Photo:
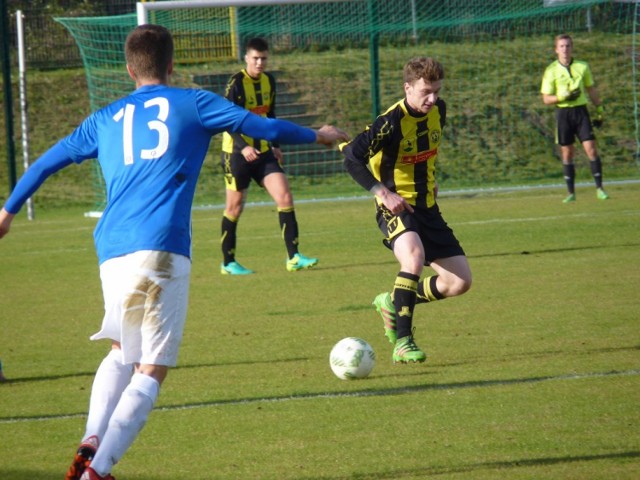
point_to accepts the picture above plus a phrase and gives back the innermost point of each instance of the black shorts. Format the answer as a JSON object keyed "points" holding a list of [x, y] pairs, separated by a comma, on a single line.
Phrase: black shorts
{"points": [[573, 122], [437, 238], [238, 173]]}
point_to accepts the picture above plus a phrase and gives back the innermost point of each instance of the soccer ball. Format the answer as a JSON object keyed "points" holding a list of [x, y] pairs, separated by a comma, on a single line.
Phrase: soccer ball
{"points": [[352, 358]]}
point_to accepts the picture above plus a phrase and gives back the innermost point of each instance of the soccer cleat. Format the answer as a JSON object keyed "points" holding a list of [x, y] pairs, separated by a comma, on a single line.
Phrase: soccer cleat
{"points": [[90, 474], [601, 194], [570, 198], [83, 458], [384, 306], [234, 268], [300, 262], [407, 351]]}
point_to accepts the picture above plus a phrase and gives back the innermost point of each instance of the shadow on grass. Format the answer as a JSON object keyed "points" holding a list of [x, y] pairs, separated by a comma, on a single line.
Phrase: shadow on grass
{"points": [[553, 250], [28, 474], [472, 467], [47, 378], [394, 474], [538, 354], [390, 260]]}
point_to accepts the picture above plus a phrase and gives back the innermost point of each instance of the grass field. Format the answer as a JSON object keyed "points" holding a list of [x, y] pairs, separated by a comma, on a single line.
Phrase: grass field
{"points": [[534, 374]]}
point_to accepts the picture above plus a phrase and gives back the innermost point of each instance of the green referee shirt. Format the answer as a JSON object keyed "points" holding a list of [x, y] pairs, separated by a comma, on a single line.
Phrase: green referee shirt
{"points": [[558, 80]]}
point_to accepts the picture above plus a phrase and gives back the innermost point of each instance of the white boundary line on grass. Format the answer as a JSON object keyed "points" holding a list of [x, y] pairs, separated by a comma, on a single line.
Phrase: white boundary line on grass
{"points": [[444, 193], [356, 394]]}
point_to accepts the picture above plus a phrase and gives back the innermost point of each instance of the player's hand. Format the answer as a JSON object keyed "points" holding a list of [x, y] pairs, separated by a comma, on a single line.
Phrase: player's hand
{"points": [[599, 117], [5, 222], [569, 96], [250, 154], [573, 95], [328, 135], [394, 202], [277, 152]]}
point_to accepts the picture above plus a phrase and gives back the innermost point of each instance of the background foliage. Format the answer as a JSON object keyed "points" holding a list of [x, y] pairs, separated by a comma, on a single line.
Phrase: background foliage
{"points": [[498, 133]]}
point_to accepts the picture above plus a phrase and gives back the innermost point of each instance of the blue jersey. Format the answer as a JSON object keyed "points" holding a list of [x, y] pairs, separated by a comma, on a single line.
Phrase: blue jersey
{"points": [[151, 146]]}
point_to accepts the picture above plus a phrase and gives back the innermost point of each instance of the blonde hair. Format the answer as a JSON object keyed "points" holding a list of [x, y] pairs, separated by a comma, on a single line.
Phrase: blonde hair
{"points": [[563, 36]]}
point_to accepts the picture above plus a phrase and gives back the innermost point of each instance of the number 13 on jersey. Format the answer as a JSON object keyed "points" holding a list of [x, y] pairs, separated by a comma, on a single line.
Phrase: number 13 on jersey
{"points": [[127, 113]]}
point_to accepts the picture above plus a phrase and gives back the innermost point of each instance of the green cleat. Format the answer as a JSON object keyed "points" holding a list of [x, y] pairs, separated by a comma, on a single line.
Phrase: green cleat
{"points": [[300, 262], [570, 198], [601, 194], [234, 268], [407, 351], [384, 306]]}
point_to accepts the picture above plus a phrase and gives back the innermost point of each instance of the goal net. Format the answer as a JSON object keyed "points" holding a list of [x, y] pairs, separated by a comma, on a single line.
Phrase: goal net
{"points": [[341, 62]]}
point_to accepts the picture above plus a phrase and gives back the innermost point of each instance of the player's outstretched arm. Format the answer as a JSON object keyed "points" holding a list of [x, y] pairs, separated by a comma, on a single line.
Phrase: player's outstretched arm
{"points": [[5, 222], [49, 163], [329, 135]]}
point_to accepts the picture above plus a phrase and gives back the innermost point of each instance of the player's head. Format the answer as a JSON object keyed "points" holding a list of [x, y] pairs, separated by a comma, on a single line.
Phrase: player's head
{"points": [[148, 51], [564, 48], [256, 56], [422, 82]]}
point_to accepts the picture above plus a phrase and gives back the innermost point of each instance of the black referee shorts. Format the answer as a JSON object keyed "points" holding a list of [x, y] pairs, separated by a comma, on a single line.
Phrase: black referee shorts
{"points": [[573, 122]]}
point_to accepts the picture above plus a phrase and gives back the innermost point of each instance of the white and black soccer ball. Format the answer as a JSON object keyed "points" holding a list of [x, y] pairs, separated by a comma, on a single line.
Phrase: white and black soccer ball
{"points": [[352, 358]]}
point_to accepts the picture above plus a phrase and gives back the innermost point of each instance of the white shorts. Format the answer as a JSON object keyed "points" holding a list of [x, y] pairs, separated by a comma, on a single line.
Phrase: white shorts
{"points": [[145, 303]]}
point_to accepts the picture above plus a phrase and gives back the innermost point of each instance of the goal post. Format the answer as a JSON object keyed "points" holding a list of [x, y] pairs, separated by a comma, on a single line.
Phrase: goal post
{"points": [[142, 8]]}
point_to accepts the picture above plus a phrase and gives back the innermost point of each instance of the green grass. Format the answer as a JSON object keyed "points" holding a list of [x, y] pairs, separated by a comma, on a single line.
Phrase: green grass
{"points": [[534, 374]]}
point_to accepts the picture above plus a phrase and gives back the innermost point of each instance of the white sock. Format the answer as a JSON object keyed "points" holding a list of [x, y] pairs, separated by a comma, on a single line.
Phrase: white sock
{"points": [[112, 377], [127, 420]]}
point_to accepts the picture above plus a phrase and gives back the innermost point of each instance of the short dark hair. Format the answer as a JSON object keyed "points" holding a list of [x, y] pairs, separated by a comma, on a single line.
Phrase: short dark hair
{"points": [[148, 51], [423, 67], [258, 44]]}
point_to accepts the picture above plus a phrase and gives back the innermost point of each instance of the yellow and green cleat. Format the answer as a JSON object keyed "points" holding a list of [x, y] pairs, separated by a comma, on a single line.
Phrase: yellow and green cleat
{"points": [[407, 351], [384, 306]]}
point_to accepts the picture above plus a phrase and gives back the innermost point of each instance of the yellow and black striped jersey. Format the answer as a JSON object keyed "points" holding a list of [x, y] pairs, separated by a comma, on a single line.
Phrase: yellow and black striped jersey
{"points": [[559, 78], [401, 148], [257, 96]]}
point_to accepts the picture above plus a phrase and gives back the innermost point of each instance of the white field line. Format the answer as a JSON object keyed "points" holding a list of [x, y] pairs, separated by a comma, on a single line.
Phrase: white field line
{"points": [[359, 394], [26, 230]]}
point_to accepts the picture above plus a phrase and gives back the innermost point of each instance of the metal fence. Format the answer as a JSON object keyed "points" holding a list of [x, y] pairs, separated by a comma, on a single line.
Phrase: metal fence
{"points": [[48, 44]]}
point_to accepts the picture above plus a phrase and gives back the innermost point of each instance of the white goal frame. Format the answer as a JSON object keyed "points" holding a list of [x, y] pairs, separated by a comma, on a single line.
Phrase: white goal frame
{"points": [[143, 8]]}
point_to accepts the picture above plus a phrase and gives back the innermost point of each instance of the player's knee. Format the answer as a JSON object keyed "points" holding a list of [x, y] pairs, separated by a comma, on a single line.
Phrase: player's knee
{"points": [[458, 285], [233, 210], [283, 200], [464, 284]]}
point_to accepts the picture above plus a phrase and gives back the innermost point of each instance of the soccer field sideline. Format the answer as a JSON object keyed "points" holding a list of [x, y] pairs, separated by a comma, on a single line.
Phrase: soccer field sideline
{"points": [[441, 193]]}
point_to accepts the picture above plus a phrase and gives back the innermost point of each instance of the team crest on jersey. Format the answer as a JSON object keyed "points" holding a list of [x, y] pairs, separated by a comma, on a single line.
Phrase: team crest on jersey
{"points": [[435, 137]]}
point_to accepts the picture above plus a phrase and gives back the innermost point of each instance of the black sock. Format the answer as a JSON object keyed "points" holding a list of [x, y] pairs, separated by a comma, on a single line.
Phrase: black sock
{"points": [[427, 290], [596, 171], [228, 239], [404, 300], [569, 171], [289, 229]]}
